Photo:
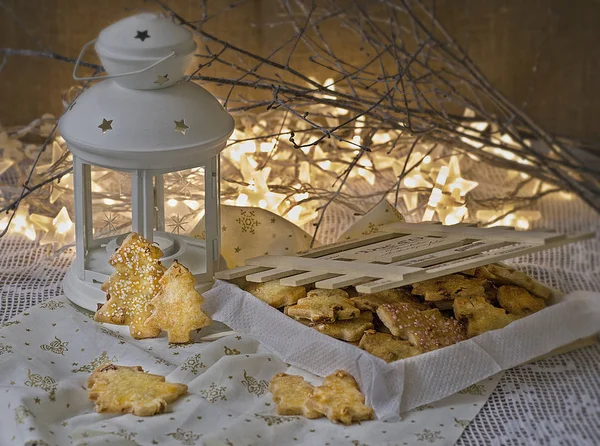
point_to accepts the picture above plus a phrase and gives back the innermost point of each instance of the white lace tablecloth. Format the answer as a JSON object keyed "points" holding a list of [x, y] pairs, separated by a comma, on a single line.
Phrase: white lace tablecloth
{"points": [[553, 401]]}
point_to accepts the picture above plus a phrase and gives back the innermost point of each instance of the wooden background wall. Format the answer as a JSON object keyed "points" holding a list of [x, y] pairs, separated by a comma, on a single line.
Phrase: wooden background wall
{"points": [[562, 93]]}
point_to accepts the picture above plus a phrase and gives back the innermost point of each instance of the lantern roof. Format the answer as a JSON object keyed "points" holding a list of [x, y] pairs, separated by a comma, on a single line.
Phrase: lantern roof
{"points": [[168, 128], [144, 36]]}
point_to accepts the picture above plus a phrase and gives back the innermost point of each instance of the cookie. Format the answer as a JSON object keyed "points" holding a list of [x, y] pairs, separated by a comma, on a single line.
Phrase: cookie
{"points": [[324, 306], [129, 289], [387, 347], [370, 302], [481, 316], [291, 394], [427, 330], [177, 308], [449, 287], [516, 300], [275, 294], [504, 275], [340, 399], [350, 330], [119, 389]]}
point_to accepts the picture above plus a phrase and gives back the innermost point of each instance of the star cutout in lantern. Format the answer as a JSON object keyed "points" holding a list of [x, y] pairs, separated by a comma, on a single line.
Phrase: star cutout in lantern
{"points": [[161, 79], [106, 125], [142, 35], [180, 126]]}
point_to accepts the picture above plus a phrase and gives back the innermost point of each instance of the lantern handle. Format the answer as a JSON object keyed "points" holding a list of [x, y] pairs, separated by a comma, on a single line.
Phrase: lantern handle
{"points": [[110, 76]]}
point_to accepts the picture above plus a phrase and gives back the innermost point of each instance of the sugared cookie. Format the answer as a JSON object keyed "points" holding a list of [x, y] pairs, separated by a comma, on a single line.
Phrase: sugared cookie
{"points": [[518, 301], [481, 316], [177, 308], [324, 306], [449, 287], [291, 394], [428, 330], [275, 294], [509, 276], [350, 330], [118, 389], [340, 399], [370, 302], [132, 285], [387, 347]]}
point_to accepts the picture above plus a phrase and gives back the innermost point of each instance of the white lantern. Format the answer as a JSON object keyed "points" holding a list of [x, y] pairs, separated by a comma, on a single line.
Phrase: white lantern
{"points": [[146, 120]]}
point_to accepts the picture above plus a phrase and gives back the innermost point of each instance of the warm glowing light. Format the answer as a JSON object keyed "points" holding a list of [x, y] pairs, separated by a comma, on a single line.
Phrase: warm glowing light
{"points": [[442, 176], [62, 222], [242, 200], [192, 204], [108, 201]]}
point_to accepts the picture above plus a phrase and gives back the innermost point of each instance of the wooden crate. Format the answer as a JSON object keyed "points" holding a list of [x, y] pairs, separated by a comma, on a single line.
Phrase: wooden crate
{"points": [[401, 254]]}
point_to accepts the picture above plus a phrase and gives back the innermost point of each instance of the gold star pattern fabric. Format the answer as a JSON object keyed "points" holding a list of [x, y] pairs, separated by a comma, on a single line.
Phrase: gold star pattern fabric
{"points": [[106, 125], [181, 126]]}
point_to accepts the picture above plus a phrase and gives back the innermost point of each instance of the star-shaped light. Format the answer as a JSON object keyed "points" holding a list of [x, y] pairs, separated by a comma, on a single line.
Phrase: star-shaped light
{"points": [[181, 126], [21, 223], [59, 230], [57, 154], [142, 35], [455, 185], [106, 125], [447, 196], [161, 79]]}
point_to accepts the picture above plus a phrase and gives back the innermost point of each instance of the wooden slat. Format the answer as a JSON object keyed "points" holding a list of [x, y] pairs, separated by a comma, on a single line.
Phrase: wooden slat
{"points": [[236, 273], [354, 243], [342, 281], [401, 248], [333, 266], [471, 262], [306, 278], [468, 250], [272, 274], [534, 237]]}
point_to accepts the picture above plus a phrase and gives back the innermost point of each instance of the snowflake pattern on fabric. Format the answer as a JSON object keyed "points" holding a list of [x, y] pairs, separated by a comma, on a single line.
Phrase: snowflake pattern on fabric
{"points": [[22, 413], [248, 221], [5, 348], [193, 364], [214, 393], [429, 436]]}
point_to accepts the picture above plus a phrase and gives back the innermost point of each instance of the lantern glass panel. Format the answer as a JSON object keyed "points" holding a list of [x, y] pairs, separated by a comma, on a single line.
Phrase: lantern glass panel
{"points": [[111, 202]]}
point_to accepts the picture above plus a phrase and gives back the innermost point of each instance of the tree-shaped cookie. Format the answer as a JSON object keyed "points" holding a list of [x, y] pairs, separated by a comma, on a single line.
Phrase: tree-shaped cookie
{"points": [[119, 389], [132, 285], [177, 308]]}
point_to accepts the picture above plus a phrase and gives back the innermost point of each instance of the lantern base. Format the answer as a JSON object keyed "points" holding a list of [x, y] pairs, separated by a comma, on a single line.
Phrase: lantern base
{"points": [[87, 293]]}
